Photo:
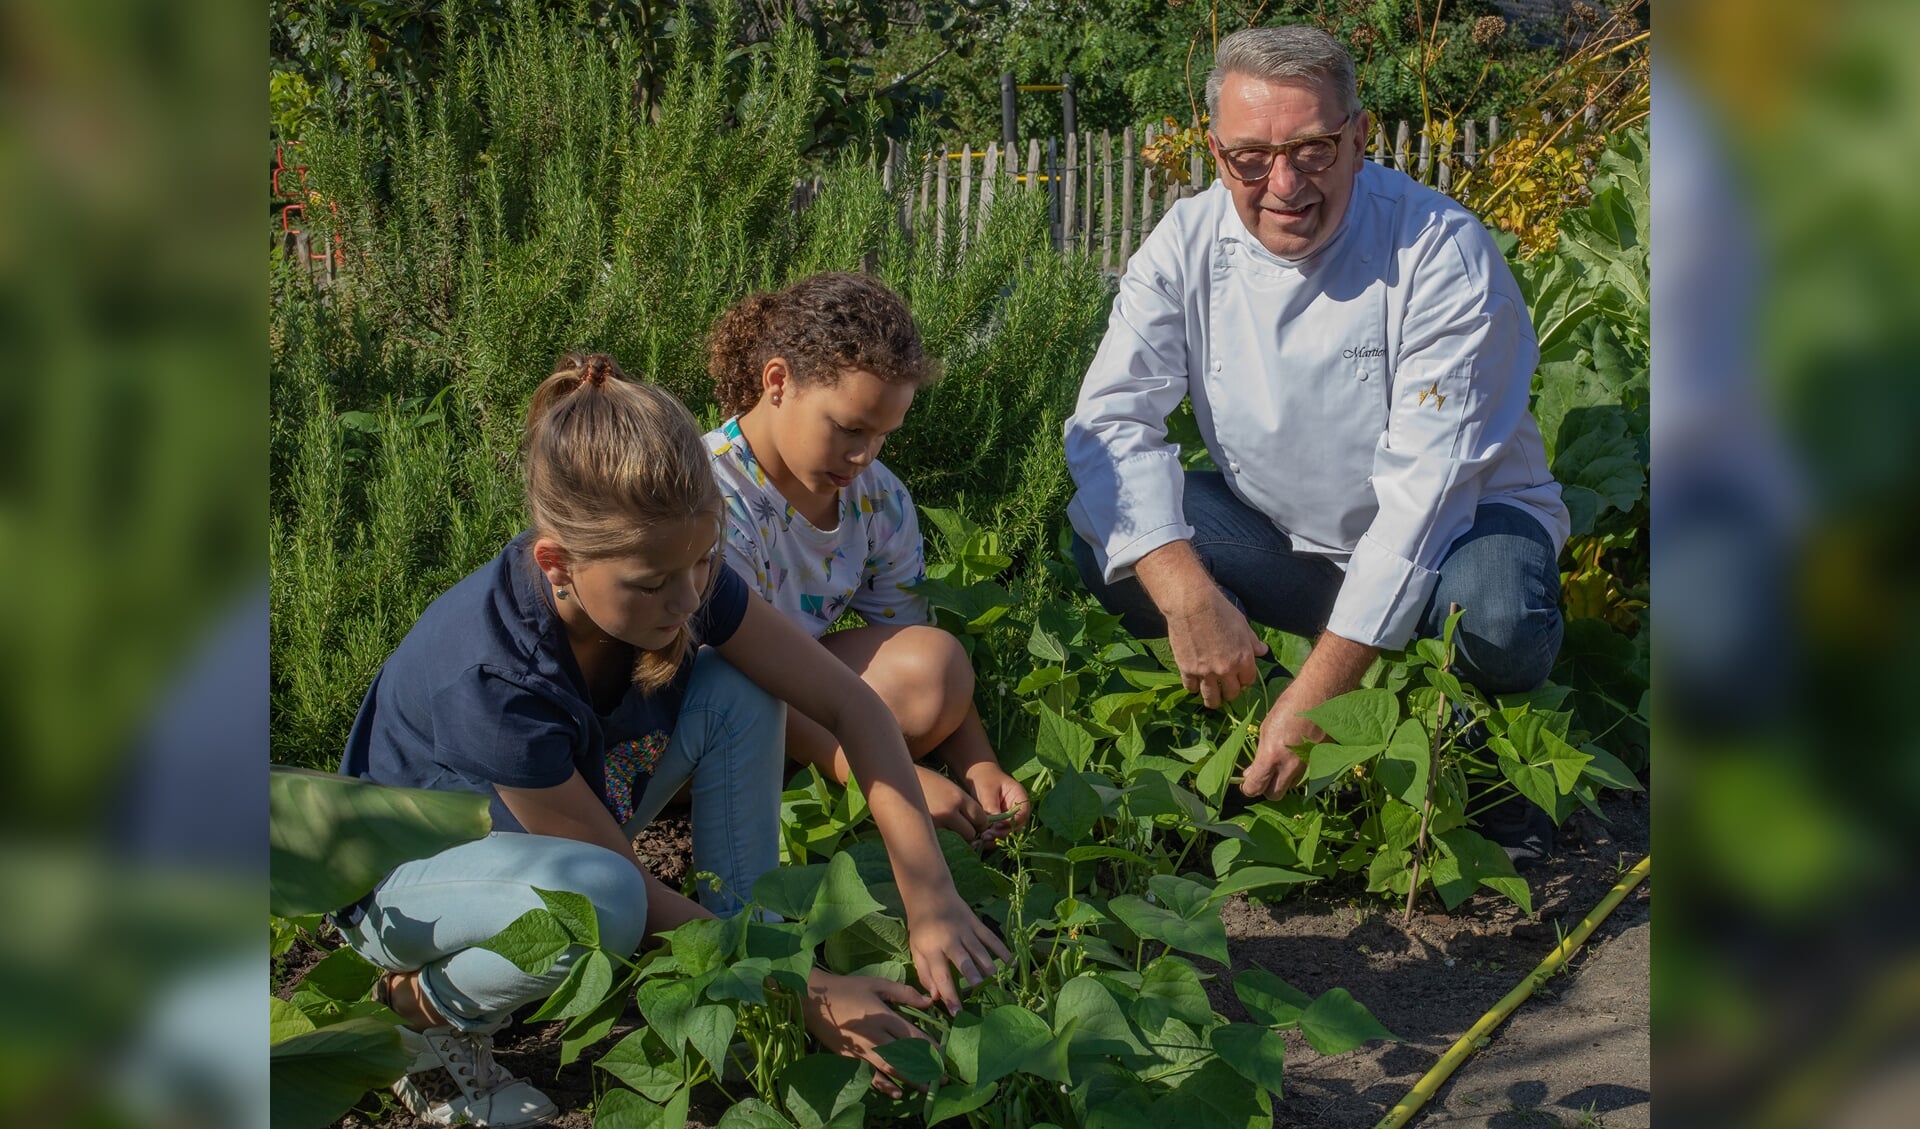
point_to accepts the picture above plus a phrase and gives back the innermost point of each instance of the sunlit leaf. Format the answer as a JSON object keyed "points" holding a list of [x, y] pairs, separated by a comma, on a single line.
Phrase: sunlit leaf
{"points": [[332, 838]]}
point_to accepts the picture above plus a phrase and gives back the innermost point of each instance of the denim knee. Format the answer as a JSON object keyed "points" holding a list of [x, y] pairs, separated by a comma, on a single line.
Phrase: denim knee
{"points": [[616, 888], [1507, 648]]}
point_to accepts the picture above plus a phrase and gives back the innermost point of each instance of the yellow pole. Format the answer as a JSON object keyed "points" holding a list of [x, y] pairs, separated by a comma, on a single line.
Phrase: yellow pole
{"points": [[1424, 1089]]}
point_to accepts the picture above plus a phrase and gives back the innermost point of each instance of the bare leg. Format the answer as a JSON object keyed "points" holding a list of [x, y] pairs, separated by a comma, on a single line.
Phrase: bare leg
{"points": [[926, 680]]}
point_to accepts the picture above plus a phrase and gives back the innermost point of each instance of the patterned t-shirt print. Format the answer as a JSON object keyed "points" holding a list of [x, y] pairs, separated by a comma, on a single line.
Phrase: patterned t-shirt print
{"points": [[627, 762]]}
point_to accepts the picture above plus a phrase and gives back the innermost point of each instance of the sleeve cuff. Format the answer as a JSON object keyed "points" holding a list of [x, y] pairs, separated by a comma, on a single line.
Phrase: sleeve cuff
{"points": [[1127, 511], [1382, 597]]}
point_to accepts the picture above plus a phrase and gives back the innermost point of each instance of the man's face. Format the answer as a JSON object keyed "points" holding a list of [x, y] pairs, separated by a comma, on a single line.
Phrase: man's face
{"points": [[1291, 213]]}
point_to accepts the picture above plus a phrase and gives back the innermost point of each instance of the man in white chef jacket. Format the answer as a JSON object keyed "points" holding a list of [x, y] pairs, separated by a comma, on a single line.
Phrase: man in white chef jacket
{"points": [[1359, 360]]}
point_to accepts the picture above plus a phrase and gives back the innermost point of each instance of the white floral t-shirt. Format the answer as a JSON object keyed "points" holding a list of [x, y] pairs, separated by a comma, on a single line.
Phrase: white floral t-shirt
{"points": [[814, 575]]}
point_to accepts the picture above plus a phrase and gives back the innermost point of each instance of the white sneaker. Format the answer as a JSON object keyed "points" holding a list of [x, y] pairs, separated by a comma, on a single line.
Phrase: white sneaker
{"points": [[453, 1080]]}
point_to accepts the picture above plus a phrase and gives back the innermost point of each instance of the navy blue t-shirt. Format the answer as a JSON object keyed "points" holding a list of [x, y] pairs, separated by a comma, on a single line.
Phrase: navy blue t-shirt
{"points": [[484, 691]]}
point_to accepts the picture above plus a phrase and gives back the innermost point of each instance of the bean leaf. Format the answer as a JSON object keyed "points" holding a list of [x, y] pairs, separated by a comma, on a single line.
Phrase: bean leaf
{"points": [[1337, 1023]]}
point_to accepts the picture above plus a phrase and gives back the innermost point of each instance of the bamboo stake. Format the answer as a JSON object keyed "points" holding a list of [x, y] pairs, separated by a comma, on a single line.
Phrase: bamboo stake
{"points": [[1430, 1083]]}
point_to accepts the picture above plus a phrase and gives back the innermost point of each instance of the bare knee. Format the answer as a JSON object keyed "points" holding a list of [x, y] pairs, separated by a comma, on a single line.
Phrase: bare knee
{"points": [[926, 679]]}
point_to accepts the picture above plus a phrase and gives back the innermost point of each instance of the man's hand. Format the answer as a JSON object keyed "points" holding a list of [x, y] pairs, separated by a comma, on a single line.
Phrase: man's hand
{"points": [[1276, 768], [1336, 666], [1212, 644], [852, 1016]]}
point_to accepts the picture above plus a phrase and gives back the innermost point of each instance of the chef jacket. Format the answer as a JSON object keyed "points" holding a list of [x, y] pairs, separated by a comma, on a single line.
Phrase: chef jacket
{"points": [[1366, 399]]}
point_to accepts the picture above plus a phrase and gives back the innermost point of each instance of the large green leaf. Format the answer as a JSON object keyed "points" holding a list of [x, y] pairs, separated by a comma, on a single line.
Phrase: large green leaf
{"points": [[820, 1087], [1213, 1097], [955, 1099], [286, 1020], [642, 1061], [1086, 1013], [533, 941], [1013, 1038], [1597, 464], [1170, 987], [710, 1032], [1358, 717], [342, 976], [318, 1075], [1269, 999], [1062, 744], [1326, 761], [1336, 1023], [789, 890], [1404, 767], [1070, 807], [841, 900], [1183, 915], [574, 912], [1256, 1053], [332, 838], [1259, 878], [1467, 860], [975, 605], [624, 1109], [753, 1114], [586, 985], [916, 1061]]}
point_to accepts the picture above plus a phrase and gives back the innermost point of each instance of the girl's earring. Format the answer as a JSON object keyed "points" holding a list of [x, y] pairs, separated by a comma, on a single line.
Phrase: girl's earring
{"points": [[560, 593], [776, 399]]}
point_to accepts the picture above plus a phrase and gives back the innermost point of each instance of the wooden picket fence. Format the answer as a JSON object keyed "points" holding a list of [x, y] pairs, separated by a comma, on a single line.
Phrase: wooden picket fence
{"points": [[1102, 196]]}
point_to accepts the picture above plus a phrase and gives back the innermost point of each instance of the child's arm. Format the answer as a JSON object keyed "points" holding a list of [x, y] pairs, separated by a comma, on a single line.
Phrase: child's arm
{"points": [[783, 660], [571, 811]]}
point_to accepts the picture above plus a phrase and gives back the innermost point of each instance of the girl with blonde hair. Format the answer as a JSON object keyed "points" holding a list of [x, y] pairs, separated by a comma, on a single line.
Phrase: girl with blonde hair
{"points": [[605, 658]]}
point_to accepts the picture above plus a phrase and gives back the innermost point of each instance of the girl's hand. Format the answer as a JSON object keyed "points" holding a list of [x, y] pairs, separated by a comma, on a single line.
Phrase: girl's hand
{"points": [[951, 807], [852, 1016], [946, 936], [1000, 794]]}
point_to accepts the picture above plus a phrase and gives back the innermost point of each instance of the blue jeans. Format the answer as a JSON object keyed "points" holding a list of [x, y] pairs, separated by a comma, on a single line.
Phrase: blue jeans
{"points": [[1503, 572], [729, 739]]}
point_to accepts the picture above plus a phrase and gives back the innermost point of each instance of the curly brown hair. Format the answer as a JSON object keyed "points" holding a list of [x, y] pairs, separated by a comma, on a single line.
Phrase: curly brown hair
{"points": [[823, 326]]}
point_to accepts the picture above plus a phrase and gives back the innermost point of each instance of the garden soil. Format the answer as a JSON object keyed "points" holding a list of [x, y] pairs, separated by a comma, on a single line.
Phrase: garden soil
{"points": [[1575, 1054]]}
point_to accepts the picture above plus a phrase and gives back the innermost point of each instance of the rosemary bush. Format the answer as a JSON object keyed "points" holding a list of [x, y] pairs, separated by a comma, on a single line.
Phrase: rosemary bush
{"points": [[524, 209]]}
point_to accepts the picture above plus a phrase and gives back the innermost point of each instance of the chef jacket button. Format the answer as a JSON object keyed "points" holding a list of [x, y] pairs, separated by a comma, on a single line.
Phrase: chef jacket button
{"points": [[1234, 467]]}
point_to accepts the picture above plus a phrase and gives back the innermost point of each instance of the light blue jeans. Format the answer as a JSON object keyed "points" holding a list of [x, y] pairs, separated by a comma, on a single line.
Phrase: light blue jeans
{"points": [[429, 914]]}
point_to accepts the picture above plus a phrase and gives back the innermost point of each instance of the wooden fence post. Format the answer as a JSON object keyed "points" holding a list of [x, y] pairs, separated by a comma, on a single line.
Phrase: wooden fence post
{"points": [[926, 187], [989, 174], [1400, 145], [1196, 169], [940, 200], [1033, 164], [964, 186], [1056, 235], [1472, 157], [1069, 231], [1106, 199]]}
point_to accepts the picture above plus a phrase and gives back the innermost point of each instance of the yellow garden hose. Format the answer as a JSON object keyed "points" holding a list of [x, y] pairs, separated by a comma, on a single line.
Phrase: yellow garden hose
{"points": [[1424, 1089]]}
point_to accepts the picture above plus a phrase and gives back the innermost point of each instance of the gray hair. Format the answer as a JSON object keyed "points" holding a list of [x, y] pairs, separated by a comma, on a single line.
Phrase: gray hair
{"points": [[1296, 52]]}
